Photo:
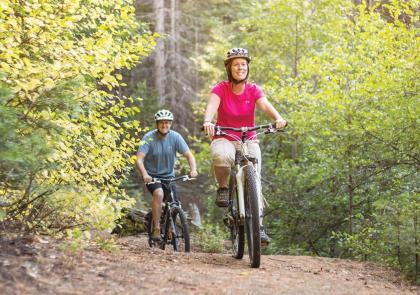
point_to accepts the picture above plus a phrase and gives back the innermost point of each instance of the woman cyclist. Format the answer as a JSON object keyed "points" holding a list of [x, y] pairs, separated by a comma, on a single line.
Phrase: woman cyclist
{"points": [[235, 100]]}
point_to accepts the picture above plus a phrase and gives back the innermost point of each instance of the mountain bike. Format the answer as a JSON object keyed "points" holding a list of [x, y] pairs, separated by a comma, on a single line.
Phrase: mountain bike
{"points": [[173, 221], [245, 196]]}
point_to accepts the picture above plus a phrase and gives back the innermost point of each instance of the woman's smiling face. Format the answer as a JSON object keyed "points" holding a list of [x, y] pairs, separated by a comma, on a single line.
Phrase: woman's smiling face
{"points": [[239, 68]]}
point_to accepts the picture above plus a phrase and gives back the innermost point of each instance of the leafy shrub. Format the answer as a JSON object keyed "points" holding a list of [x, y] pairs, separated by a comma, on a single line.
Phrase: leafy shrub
{"points": [[211, 238]]}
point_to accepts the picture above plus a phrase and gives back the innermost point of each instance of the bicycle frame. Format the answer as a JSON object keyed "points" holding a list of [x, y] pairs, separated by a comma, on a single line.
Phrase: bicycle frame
{"points": [[171, 209], [245, 196], [240, 164]]}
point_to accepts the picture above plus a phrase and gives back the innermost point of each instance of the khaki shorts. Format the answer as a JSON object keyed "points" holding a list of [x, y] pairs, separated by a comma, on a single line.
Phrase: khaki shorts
{"points": [[223, 152]]}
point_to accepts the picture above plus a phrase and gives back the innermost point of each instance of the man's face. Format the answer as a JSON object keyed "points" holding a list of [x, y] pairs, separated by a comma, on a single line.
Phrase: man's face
{"points": [[163, 126]]}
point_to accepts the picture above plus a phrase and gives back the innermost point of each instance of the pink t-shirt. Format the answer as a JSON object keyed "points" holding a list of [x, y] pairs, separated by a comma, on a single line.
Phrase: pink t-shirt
{"points": [[236, 110]]}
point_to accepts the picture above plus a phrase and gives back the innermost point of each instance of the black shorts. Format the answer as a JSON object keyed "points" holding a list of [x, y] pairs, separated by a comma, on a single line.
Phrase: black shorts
{"points": [[166, 192]]}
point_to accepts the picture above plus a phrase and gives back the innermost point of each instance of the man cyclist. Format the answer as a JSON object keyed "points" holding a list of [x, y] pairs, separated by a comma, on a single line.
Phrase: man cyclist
{"points": [[156, 158], [235, 100]]}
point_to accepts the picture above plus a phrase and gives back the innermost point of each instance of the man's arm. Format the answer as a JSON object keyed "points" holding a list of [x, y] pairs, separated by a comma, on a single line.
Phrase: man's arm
{"points": [[267, 108], [191, 161], [141, 168]]}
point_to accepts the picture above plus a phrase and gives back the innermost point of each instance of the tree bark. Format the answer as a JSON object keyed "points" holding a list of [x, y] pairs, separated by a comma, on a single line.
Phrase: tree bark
{"points": [[159, 62], [173, 53], [416, 246]]}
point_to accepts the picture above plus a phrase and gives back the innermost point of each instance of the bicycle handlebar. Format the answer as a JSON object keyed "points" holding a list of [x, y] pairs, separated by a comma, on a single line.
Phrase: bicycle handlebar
{"points": [[169, 180], [249, 129], [269, 127]]}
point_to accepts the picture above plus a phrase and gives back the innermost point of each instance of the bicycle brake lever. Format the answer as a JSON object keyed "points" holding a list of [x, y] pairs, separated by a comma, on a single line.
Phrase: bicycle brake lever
{"points": [[154, 180], [270, 129], [220, 132]]}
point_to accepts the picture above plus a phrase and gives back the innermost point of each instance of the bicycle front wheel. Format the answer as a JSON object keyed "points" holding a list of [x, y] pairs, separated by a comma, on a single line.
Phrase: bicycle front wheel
{"points": [[237, 231], [150, 228], [180, 232], [252, 217]]}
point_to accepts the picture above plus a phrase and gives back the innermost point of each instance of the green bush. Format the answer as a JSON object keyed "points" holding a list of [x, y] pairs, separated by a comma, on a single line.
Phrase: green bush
{"points": [[211, 238]]}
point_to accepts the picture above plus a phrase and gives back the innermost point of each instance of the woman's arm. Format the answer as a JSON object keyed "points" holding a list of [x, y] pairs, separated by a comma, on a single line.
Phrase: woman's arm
{"points": [[211, 109], [267, 108]]}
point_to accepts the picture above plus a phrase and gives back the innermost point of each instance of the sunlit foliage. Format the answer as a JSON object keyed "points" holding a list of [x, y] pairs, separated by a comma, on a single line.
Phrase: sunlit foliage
{"points": [[65, 142], [343, 181]]}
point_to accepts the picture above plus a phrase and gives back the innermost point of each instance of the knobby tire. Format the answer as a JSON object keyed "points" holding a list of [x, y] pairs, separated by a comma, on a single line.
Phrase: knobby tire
{"points": [[180, 233], [150, 228], [252, 217], [167, 238]]}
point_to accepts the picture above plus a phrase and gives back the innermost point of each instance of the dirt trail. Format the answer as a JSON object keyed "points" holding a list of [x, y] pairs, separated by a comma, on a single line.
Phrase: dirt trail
{"points": [[35, 266]]}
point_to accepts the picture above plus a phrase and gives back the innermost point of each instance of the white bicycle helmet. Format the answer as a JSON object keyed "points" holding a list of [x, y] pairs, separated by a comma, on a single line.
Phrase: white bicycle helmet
{"points": [[164, 115], [237, 52], [232, 54]]}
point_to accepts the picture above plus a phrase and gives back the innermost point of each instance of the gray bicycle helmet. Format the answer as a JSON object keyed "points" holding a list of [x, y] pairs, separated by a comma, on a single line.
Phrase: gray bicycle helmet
{"points": [[164, 115], [237, 52]]}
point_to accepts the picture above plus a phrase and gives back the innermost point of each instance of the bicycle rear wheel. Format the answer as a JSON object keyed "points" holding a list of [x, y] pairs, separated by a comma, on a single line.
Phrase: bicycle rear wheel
{"points": [[237, 231], [180, 232], [252, 218]]}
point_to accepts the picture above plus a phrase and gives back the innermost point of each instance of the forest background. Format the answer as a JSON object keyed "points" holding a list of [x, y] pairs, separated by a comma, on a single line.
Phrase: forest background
{"points": [[80, 80]]}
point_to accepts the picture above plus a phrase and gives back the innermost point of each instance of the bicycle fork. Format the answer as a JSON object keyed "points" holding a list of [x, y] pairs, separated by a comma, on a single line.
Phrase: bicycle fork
{"points": [[259, 193], [240, 186]]}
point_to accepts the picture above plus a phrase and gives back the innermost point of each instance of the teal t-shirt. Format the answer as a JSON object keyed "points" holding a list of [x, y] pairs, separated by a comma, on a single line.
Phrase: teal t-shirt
{"points": [[161, 153]]}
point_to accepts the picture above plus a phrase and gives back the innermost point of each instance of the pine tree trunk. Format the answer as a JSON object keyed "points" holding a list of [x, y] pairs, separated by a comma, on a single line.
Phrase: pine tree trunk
{"points": [[173, 54], [416, 248], [159, 62]]}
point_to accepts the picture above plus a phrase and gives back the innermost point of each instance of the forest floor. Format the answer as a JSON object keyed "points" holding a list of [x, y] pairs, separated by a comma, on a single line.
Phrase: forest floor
{"points": [[39, 265]]}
